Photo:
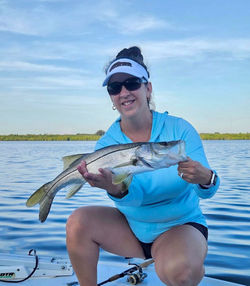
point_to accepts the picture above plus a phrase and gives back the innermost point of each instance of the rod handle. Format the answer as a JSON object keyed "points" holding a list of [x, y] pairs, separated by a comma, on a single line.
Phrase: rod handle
{"points": [[115, 277], [146, 263]]}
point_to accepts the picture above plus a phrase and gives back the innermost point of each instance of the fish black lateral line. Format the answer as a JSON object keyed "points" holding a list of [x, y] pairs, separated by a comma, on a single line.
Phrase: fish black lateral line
{"points": [[123, 160]]}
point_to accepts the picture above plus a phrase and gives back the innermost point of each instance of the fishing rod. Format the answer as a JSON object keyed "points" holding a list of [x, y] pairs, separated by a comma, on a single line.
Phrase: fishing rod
{"points": [[133, 278]]}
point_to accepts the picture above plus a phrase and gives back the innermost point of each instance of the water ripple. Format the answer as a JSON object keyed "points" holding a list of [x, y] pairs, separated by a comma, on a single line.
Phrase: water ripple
{"points": [[28, 165]]}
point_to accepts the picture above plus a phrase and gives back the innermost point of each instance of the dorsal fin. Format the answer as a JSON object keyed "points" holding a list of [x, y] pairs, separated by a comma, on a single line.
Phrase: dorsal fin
{"points": [[68, 160]]}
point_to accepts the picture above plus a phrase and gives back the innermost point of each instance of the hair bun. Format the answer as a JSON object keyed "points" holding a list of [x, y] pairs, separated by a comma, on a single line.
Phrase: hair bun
{"points": [[132, 52]]}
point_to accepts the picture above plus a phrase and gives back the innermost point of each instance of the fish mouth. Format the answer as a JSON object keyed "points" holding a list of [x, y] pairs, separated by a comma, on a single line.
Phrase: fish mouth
{"points": [[145, 162]]}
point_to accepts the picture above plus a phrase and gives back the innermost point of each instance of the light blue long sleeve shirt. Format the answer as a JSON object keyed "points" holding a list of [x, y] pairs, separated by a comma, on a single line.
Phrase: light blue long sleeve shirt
{"points": [[159, 200]]}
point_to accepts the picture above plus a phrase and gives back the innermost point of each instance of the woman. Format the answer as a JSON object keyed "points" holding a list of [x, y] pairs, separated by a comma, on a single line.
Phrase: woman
{"points": [[159, 215]]}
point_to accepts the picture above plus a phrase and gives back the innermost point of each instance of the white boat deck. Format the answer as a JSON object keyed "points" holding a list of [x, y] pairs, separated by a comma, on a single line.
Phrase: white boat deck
{"points": [[48, 267]]}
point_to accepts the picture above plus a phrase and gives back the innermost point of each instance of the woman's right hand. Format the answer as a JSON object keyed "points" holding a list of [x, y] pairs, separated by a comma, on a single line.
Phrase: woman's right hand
{"points": [[102, 180]]}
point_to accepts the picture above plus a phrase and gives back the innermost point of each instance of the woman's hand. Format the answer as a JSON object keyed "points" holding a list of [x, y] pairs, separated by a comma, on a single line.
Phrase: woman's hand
{"points": [[102, 180], [194, 172]]}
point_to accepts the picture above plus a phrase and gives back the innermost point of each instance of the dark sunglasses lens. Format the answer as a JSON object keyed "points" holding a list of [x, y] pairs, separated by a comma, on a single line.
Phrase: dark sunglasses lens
{"points": [[132, 85], [114, 88]]}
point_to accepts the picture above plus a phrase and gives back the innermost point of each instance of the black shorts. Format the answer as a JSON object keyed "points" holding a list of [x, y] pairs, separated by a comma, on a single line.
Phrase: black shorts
{"points": [[147, 246]]}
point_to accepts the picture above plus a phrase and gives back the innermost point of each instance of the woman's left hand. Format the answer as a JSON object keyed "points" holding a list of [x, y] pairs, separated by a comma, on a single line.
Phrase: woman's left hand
{"points": [[194, 172]]}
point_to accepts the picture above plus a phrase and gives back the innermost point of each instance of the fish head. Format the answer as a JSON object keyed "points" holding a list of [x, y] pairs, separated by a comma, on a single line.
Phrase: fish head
{"points": [[163, 154]]}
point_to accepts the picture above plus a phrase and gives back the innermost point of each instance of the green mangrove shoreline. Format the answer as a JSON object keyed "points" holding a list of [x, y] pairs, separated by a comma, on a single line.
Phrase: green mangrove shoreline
{"points": [[96, 136]]}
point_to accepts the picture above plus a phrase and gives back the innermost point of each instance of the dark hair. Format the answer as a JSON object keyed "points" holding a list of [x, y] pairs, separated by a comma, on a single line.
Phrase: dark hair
{"points": [[132, 53]]}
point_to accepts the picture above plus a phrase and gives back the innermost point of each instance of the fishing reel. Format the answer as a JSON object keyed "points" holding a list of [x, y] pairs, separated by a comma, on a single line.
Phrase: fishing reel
{"points": [[137, 277]]}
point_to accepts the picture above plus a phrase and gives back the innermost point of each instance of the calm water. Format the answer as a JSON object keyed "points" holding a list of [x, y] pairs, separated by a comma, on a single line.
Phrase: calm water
{"points": [[25, 166]]}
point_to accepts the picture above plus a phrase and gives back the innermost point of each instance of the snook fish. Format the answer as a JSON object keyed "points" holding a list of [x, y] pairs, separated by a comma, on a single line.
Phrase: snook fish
{"points": [[123, 160]]}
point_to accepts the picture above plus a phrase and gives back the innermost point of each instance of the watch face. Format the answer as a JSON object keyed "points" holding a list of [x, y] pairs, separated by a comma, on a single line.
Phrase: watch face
{"points": [[215, 179]]}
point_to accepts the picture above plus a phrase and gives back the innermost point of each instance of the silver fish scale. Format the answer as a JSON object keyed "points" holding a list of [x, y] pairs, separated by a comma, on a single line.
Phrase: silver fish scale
{"points": [[123, 160]]}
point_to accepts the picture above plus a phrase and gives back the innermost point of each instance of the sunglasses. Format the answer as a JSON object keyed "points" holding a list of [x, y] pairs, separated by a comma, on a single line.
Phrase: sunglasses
{"points": [[130, 84]]}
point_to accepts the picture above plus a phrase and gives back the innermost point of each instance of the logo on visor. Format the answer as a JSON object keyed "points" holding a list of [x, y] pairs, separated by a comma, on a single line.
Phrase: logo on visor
{"points": [[119, 64]]}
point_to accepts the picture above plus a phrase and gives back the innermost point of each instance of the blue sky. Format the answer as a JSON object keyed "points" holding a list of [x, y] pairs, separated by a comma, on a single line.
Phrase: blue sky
{"points": [[53, 53]]}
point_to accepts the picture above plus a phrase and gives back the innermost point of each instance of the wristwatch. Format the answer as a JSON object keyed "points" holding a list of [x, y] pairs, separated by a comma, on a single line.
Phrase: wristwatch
{"points": [[212, 182]]}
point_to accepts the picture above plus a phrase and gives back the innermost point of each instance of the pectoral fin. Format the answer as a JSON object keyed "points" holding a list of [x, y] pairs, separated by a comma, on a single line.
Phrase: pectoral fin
{"points": [[73, 190], [127, 182], [119, 178], [68, 160]]}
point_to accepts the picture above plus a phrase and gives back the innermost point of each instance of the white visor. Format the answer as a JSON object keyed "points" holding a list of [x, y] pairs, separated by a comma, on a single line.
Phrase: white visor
{"points": [[126, 66]]}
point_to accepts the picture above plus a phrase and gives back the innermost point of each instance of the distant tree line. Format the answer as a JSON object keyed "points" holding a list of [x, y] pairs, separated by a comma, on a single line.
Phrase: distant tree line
{"points": [[225, 136], [53, 137], [99, 133]]}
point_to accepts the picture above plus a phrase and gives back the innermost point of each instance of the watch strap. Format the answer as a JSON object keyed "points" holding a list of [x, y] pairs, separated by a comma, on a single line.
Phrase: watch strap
{"points": [[212, 182]]}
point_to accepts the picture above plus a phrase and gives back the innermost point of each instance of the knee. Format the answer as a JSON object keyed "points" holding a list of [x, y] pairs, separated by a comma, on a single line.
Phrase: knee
{"points": [[180, 274], [77, 223], [187, 275]]}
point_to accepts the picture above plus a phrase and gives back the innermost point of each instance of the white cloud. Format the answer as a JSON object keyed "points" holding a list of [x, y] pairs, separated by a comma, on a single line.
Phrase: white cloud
{"points": [[132, 24], [136, 24], [21, 20], [29, 67], [42, 19], [197, 49], [72, 82], [112, 14], [58, 82], [52, 1], [47, 50]]}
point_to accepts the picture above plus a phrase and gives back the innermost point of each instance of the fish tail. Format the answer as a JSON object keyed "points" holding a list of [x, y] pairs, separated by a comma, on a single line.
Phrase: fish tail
{"points": [[45, 201], [45, 205], [38, 196]]}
